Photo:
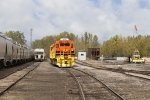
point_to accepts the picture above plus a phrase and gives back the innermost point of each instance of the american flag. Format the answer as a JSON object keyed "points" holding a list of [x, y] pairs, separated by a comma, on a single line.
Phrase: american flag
{"points": [[135, 28]]}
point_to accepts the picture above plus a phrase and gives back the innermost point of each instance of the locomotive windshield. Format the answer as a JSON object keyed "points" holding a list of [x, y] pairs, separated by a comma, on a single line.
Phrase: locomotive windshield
{"points": [[65, 44], [38, 52]]}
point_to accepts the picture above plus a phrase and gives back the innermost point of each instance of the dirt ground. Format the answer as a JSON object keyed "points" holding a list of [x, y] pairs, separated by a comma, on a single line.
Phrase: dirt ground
{"points": [[44, 83], [130, 88], [10, 70], [130, 66], [48, 82]]}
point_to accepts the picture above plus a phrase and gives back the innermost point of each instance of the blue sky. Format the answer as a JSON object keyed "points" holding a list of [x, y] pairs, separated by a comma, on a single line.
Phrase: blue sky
{"points": [[142, 3], [105, 18]]}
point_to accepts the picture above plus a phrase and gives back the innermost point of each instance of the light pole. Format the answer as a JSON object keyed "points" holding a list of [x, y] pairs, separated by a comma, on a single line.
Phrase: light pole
{"points": [[31, 37]]}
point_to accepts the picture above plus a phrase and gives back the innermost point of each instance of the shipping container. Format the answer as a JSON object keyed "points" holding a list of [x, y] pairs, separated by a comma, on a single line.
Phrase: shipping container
{"points": [[93, 53]]}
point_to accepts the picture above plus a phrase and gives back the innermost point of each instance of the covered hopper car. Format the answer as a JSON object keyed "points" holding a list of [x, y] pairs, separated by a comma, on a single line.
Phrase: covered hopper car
{"points": [[12, 53], [62, 53]]}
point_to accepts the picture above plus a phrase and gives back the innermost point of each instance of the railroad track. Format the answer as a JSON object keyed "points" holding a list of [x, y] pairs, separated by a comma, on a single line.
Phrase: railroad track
{"points": [[138, 74], [34, 66], [10, 70], [81, 92], [102, 91]]}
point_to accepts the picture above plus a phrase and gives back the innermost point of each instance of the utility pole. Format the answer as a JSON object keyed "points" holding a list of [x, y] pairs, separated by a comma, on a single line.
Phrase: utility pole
{"points": [[31, 37]]}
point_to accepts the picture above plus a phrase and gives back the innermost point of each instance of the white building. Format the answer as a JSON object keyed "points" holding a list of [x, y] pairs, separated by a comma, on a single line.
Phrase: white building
{"points": [[81, 55]]}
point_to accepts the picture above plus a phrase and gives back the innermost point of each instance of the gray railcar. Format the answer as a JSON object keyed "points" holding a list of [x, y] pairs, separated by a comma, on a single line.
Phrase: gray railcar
{"points": [[21, 53], [9, 52], [6, 46], [18, 52], [12, 53], [25, 53], [2, 48]]}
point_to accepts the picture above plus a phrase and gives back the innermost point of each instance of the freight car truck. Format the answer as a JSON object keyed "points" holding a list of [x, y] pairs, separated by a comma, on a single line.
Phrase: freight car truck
{"points": [[136, 57]]}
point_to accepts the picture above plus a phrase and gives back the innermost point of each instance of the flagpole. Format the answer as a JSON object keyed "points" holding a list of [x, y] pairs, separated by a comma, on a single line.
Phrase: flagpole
{"points": [[136, 30]]}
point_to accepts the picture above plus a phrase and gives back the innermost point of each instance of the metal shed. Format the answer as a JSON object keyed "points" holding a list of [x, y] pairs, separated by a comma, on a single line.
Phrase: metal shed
{"points": [[81, 55]]}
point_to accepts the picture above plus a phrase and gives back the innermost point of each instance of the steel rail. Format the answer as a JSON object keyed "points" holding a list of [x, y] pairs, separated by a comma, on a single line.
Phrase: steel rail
{"points": [[100, 82], [79, 85], [103, 68]]}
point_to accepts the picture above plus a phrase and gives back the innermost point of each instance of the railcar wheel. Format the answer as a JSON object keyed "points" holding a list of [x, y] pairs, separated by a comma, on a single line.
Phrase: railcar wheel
{"points": [[1, 64], [55, 61]]}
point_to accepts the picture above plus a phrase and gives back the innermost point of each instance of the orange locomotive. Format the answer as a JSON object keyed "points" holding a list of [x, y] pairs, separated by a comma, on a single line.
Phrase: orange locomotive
{"points": [[62, 53]]}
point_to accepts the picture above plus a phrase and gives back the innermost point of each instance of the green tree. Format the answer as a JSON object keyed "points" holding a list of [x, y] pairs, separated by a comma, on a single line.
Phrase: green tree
{"points": [[119, 46], [95, 42], [16, 36], [44, 43], [81, 43], [89, 41]]}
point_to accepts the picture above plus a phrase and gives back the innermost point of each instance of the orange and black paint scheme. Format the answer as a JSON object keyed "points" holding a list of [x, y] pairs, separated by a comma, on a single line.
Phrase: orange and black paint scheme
{"points": [[62, 53]]}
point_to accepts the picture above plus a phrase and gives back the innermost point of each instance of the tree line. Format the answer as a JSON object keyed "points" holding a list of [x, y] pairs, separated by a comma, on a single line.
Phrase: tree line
{"points": [[16, 36], [81, 43], [124, 46], [115, 46]]}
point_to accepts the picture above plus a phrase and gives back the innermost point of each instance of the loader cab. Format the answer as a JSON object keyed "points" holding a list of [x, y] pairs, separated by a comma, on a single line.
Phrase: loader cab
{"points": [[136, 58], [136, 54]]}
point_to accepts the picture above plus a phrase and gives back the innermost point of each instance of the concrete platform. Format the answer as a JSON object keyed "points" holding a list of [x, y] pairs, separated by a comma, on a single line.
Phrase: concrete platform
{"points": [[44, 83]]}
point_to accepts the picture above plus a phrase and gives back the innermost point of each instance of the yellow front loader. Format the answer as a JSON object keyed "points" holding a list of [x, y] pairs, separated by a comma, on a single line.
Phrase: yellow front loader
{"points": [[136, 58]]}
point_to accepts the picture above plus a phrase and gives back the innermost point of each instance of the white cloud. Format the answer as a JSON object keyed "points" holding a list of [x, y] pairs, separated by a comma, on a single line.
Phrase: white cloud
{"points": [[48, 17]]}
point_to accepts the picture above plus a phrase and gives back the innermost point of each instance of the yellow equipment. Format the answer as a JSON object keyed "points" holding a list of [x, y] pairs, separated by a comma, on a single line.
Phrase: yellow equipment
{"points": [[136, 58]]}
